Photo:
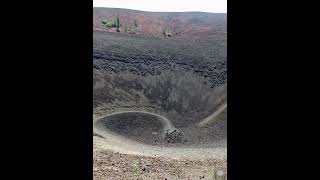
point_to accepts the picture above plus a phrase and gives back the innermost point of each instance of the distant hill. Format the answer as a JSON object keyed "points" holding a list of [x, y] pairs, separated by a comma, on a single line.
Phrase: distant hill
{"points": [[174, 24]]}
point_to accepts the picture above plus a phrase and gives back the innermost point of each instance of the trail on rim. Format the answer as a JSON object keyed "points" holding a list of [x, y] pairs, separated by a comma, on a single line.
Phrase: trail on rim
{"points": [[210, 119], [121, 144]]}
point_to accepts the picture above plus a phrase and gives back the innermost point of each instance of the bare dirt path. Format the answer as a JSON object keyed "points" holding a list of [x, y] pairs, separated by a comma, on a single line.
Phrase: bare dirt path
{"points": [[210, 119]]}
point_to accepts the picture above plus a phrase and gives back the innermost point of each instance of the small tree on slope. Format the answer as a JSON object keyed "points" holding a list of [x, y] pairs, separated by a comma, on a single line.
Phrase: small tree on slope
{"points": [[118, 23]]}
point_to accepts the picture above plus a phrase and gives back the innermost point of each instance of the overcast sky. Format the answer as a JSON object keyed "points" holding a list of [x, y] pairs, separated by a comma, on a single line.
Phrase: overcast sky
{"points": [[216, 6]]}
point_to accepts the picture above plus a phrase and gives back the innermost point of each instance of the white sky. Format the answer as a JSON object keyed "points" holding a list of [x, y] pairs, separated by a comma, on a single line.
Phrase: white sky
{"points": [[216, 6]]}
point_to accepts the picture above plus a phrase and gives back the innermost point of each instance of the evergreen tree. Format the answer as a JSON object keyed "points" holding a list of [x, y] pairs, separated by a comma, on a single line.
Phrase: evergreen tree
{"points": [[114, 23], [118, 23]]}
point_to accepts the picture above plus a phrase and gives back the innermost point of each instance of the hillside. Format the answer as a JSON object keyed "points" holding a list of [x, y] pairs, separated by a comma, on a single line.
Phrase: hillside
{"points": [[178, 24]]}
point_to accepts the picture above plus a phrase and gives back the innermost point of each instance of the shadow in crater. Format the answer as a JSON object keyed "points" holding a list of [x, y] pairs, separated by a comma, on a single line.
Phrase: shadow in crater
{"points": [[139, 126]]}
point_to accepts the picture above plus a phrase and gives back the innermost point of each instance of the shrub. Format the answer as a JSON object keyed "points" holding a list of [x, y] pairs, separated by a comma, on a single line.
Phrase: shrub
{"points": [[104, 22], [109, 24]]}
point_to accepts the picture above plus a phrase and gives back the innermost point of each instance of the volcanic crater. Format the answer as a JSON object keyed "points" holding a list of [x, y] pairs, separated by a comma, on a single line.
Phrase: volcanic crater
{"points": [[138, 81]]}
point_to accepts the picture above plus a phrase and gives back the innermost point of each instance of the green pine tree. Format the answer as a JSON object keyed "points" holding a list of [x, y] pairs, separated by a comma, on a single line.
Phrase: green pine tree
{"points": [[118, 23], [114, 23]]}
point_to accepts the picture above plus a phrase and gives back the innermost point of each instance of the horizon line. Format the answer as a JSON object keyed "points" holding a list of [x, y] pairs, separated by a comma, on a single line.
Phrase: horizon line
{"points": [[161, 11]]}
